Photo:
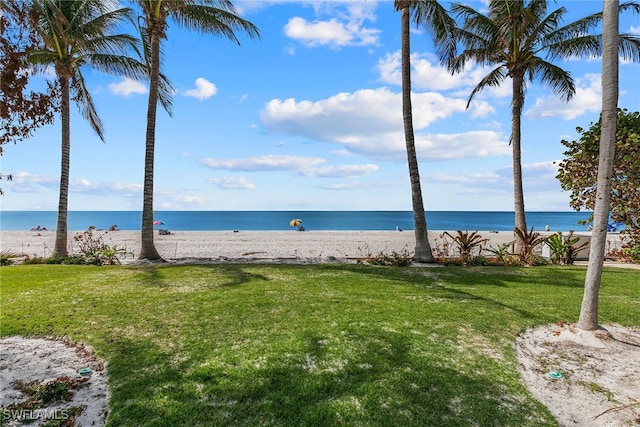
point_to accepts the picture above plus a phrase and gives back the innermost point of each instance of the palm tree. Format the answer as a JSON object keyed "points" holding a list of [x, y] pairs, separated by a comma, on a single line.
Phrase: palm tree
{"points": [[589, 311], [512, 37], [430, 14], [217, 17], [77, 33]]}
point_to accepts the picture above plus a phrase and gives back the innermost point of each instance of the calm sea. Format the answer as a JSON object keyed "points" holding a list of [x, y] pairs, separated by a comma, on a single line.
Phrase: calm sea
{"points": [[279, 220]]}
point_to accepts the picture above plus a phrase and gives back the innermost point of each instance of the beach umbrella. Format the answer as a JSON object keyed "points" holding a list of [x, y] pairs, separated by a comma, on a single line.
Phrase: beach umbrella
{"points": [[158, 222], [295, 222]]}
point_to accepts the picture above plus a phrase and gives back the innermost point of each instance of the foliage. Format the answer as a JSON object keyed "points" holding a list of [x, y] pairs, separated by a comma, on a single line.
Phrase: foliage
{"points": [[467, 243], [502, 252], [22, 111], [42, 394], [562, 247], [577, 173], [93, 249], [519, 41], [6, 257], [367, 345], [394, 259], [529, 240]]}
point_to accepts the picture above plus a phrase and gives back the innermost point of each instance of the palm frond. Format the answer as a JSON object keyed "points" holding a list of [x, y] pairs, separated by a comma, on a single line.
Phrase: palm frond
{"points": [[83, 99], [629, 48], [633, 6], [212, 20], [553, 77], [583, 46], [493, 79], [431, 15]]}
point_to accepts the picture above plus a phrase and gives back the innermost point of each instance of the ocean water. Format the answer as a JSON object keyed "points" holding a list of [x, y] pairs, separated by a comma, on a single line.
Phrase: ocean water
{"points": [[279, 220]]}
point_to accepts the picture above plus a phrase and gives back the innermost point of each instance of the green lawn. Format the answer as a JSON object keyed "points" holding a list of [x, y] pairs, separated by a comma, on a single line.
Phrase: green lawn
{"points": [[308, 345]]}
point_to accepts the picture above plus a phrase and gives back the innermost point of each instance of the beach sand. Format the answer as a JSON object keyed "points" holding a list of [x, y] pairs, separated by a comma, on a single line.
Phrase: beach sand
{"points": [[305, 246]]}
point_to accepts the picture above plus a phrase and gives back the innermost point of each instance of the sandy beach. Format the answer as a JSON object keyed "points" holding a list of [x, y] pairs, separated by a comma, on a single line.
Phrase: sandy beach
{"points": [[294, 246], [242, 245]]}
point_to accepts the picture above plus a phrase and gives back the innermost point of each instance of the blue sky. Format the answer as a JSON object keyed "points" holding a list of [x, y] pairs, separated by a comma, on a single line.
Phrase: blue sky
{"points": [[309, 118]]}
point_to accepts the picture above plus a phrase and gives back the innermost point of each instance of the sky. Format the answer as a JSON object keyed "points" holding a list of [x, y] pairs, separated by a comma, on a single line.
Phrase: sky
{"points": [[309, 117]]}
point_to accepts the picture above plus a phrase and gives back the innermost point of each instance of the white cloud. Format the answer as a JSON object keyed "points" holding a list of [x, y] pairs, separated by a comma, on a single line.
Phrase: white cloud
{"points": [[345, 28], [204, 89], [339, 171], [346, 115], [428, 74], [634, 30], [369, 122], [301, 166], [536, 177], [233, 183], [587, 99], [127, 87], [264, 163], [26, 182]]}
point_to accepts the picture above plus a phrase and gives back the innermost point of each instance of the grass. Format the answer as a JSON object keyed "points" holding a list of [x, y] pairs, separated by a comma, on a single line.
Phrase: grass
{"points": [[308, 345]]}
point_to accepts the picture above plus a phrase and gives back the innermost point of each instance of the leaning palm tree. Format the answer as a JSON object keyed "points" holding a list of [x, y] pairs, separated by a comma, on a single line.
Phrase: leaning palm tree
{"points": [[76, 33], [432, 15], [217, 17], [520, 39]]}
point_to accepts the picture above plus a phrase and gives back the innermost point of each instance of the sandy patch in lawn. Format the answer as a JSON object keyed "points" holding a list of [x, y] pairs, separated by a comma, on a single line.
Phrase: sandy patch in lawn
{"points": [[44, 360], [600, 382]]}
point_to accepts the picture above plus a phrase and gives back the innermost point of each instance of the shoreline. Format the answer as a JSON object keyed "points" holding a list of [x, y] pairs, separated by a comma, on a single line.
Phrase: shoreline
{"points": [[251, 246]]}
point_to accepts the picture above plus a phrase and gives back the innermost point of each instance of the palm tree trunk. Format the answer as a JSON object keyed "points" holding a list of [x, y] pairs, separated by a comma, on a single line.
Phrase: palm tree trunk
{"points": [[148, 250], [423, 249], [517, 79], [60, 247], [610, 34]]}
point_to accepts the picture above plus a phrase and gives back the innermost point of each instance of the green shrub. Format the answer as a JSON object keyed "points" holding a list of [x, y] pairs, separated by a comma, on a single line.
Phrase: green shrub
{"points": [[467, 243], [478, 260], [6, 257], [394, 259], [562, 247], [528, 242]]}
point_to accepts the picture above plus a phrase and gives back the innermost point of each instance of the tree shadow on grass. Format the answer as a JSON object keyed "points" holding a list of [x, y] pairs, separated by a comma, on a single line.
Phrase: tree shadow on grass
{"points": [[225, 275], [379, 378]]}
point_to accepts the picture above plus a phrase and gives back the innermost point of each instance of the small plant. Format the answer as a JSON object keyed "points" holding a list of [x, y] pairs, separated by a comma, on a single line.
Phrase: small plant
{"points": [[562, 248], [502, 252], [95, 251], [478, 260], [394, 259], [467, 242], [528, 241], [6, 257], [110, 255]]}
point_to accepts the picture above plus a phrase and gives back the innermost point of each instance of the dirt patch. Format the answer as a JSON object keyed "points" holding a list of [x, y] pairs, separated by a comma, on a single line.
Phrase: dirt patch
{"points": [[43, 379], [583, 377]]}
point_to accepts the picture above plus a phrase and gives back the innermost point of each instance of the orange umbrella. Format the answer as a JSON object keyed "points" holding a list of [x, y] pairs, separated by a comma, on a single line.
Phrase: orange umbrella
{"points": [[295, 222]]}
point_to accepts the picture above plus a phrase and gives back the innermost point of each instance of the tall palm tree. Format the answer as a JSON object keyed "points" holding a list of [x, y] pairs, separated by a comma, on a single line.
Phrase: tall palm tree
{"points": [[610, 28], [217, 17], [432, 15], [76, 33], [513, 37]]}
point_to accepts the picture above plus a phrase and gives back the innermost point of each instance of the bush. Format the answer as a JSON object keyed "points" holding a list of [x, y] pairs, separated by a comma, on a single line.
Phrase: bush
{"points": [[467, 243], [528, 242], [6, 257], [95, 251], [562, 247]]}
